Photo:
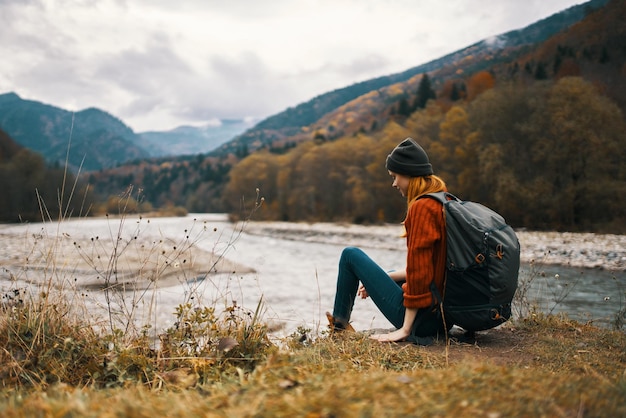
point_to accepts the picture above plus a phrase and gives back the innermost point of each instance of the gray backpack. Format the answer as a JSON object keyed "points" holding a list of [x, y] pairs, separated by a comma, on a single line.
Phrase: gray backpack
{"points": [[482, 265]]}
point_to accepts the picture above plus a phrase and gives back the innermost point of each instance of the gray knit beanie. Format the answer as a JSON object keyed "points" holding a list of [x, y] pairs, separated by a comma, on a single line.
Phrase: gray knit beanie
{"points": [[409, 159]]}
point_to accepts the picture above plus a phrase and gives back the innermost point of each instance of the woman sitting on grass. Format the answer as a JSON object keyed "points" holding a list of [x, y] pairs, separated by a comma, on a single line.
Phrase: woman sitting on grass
{"points": [[403, 296]]}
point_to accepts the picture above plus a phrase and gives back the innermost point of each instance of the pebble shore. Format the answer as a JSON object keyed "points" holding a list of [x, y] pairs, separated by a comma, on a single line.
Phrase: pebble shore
{"points": [[587, 250], [583, 250]]}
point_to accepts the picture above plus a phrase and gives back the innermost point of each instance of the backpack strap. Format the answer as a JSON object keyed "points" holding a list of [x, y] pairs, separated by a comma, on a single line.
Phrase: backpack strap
{"points": [[436, 307], [441, 197], [437, 296]]}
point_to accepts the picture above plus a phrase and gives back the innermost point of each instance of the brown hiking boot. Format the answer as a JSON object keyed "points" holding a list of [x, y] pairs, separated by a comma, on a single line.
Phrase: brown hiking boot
{"points": [[336, 325]]}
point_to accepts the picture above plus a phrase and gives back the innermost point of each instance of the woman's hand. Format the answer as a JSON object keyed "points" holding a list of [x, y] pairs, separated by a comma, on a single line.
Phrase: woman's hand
{"points": [[362, 292], [395, 336], [399, 334]]}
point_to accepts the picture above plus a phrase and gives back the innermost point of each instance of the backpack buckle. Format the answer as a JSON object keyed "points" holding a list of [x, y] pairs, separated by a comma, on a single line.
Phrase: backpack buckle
{"points": [[499, 251], [480, 258], [494, 314]]}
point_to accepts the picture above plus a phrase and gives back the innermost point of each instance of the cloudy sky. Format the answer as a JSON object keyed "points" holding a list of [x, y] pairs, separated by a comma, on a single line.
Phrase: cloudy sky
{"points": [[158, 64]]}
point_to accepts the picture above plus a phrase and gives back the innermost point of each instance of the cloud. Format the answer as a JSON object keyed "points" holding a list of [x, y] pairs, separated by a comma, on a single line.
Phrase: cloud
{"points": [[157, 64], [152, 69], [495, 42], [242, 85]]}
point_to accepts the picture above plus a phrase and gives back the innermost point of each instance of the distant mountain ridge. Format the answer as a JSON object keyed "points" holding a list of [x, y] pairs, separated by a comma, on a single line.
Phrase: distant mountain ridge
{"points": [[97, 140], [190, 140]]}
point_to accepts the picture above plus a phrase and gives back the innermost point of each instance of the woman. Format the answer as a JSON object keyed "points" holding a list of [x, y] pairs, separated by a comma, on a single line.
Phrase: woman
{"points": [[404, 296]]}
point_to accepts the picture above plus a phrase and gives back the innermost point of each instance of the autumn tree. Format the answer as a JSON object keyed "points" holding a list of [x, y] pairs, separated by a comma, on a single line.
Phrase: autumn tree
{"points": [[550, 153], [257, 171], [581, 148], [449, 151], [479, 83], [501, 117], [389, 205]]}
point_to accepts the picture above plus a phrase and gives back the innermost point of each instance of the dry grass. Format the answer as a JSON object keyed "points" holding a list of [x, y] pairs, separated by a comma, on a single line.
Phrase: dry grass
{"points": [[543, 366]]}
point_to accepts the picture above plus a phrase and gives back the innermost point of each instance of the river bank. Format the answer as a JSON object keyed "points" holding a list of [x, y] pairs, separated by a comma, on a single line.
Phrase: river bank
{"points": [[291, 267], [584, 250]]}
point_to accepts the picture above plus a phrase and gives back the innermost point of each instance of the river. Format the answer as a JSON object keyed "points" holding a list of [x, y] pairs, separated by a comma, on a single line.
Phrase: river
{"points": [[294, 269]]}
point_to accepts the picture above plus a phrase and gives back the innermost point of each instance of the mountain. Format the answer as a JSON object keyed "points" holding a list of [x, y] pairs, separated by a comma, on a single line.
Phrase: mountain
{"points": [[288, 124], [102, 140], [99, 140], [95, 138], [189, 140], [588, 51], [589, 45]]}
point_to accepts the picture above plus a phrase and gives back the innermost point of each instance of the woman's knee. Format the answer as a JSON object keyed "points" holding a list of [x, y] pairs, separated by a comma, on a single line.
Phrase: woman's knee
{"points": [[351, 250], [350, 253]]}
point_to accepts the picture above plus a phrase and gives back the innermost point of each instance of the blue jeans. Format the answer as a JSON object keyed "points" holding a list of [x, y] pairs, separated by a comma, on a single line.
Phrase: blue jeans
{"points": [[355, 266]]}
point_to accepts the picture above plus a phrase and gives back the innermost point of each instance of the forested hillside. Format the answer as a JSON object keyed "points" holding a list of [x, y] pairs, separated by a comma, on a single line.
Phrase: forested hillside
{"points": [[536, 131], [547, 156], [32, 191]]}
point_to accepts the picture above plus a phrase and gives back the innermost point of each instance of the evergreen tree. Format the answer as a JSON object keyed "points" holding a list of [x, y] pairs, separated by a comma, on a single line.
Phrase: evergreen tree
{"points": [[403, 107], [604, 56], [540, 72], [425, 93], [454, 94]]}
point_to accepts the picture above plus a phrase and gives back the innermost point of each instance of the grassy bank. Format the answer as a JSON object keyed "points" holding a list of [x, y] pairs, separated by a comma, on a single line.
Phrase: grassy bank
{"points": [[541, 366]]}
